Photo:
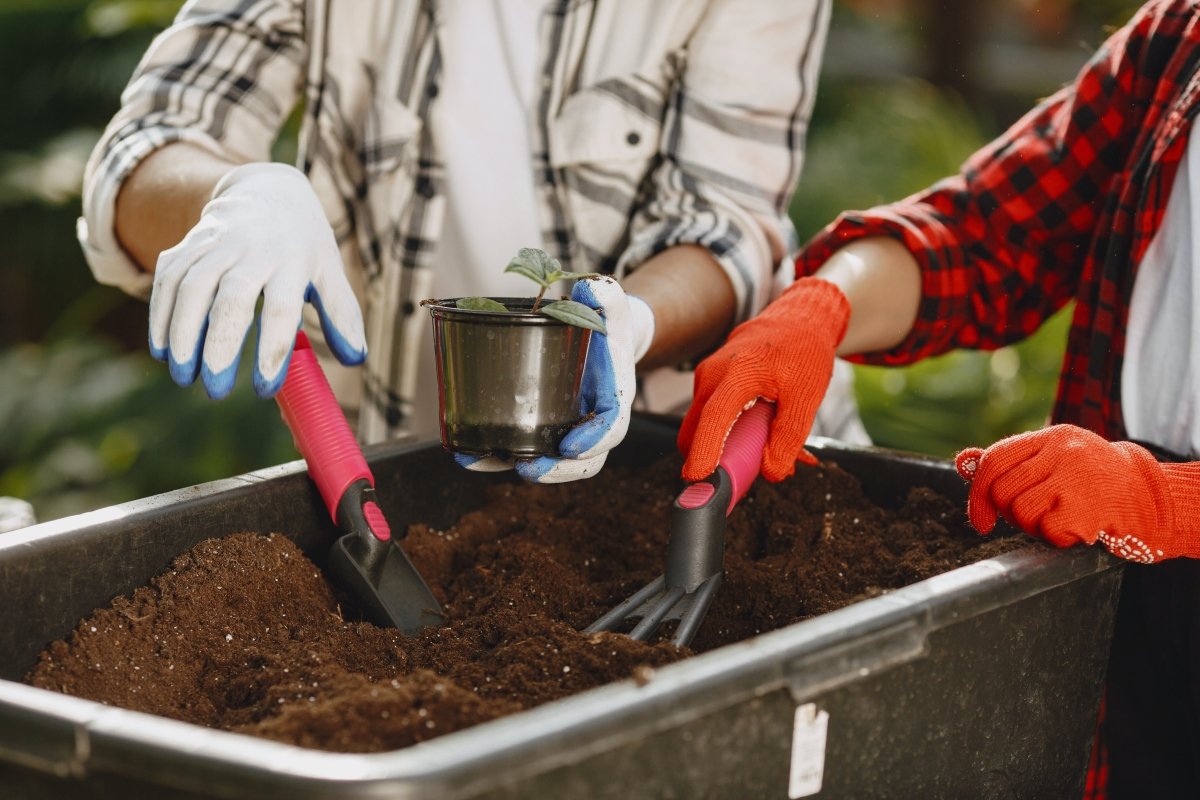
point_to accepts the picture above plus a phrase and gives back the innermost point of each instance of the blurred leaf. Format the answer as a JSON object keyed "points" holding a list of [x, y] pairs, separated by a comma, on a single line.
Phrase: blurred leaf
{"points": [[1111, 13], [878, 144], [964, 398], [52, 174], [87, 426], [286, 146], [115, 17]]}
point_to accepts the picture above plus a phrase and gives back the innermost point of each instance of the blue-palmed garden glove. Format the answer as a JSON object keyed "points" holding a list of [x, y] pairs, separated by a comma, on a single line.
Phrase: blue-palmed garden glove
{"points": [[263, 233], [607, 389]]}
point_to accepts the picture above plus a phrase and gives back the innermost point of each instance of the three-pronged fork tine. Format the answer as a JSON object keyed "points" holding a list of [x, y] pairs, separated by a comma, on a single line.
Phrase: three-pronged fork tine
{"points": [[694, 561], [696, 549]]}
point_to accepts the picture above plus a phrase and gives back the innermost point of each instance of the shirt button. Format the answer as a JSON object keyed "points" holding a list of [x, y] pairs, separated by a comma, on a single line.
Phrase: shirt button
{"points": [[432, 91], [633, 138]]}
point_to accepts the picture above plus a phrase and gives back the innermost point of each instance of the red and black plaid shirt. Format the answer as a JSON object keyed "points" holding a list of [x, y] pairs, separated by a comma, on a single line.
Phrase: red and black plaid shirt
{"points": [[1060, 207]]}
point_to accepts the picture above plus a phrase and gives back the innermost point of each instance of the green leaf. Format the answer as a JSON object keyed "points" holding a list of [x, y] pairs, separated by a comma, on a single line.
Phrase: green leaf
{"points": [[560, 275], [534, 264], [479, 304], [576, 314]]}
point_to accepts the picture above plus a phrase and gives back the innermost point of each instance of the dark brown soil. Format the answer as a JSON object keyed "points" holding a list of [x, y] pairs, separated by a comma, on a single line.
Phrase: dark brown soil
{"points": [[243, 633]]}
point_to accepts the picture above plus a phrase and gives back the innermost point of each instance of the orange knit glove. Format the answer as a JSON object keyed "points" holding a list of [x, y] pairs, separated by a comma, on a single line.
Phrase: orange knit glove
{"points": [[1067, 485], [784, 355]]}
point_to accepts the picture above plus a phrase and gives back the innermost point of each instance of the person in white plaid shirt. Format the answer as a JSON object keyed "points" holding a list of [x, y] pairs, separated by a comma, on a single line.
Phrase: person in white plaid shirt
{"points": [[658, 142]]}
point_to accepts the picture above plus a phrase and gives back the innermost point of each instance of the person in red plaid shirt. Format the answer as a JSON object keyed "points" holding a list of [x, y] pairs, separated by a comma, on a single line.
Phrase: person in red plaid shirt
{"points": [[1093, 197]]}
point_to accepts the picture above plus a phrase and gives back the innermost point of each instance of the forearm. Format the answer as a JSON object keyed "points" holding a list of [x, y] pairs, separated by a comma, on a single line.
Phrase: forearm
{"points": [[162, 199], [882, 281], [692, 299]]}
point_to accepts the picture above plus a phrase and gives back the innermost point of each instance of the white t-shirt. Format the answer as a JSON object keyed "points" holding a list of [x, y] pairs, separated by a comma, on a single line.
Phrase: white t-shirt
{"points": [[482, 116], [1160, 382]]}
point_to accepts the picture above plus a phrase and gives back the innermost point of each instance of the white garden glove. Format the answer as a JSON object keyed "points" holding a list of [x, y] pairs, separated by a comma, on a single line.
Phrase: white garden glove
{"points": [[607, 388], [262, 233]]}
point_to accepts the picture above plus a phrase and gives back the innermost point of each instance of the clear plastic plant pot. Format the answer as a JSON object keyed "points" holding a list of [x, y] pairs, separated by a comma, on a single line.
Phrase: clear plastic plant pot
{"points": [[508, 382]]}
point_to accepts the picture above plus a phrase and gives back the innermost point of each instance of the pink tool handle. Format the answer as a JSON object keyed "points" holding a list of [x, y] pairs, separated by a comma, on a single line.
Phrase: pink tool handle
{"points": [[323, 437], [742, 456]]}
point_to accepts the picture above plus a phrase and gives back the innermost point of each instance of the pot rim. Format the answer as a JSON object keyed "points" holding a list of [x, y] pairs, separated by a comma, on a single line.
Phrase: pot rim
{"points": [[446, 308]]}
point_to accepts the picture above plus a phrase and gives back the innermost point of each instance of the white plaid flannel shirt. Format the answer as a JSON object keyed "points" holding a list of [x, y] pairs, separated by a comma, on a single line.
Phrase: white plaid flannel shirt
{"points": [[657, 124]]}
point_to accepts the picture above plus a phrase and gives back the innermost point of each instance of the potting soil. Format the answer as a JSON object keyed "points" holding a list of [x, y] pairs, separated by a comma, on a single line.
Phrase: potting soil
{"points": [[244, 633]]}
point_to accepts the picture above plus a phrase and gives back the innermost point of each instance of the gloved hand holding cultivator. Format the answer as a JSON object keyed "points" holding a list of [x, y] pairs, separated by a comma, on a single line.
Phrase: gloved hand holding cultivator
{"points": [[696, 549], [754, 403], [784, 355]]}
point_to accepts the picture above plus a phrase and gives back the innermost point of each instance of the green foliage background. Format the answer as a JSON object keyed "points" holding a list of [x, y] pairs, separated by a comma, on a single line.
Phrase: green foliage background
{"points": [[87, 419]]}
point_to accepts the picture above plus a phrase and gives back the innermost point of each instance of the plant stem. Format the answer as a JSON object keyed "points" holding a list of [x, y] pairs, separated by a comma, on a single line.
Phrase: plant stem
{"points": [[537, 301]]}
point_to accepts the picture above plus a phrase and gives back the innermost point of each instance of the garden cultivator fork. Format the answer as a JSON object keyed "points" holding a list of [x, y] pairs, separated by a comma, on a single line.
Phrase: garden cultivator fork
{"points": [[696, 549]]}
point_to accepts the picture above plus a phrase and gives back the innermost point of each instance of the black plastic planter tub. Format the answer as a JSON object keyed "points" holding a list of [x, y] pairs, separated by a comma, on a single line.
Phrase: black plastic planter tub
{"points": [[982, 682]]}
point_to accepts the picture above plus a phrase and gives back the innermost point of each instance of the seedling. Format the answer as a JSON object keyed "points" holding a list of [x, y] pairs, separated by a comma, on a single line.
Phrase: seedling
{"points": [[543, 269]]}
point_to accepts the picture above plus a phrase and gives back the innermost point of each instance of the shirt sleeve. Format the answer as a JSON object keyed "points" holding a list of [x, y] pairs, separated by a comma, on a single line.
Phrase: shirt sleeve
{"points": [[1003, 244], [733, 142], [223, 77]]}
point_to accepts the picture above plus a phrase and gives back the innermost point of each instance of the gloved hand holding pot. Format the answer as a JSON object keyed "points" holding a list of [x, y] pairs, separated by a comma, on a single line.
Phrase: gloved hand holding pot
{"points": [[542, 387]]}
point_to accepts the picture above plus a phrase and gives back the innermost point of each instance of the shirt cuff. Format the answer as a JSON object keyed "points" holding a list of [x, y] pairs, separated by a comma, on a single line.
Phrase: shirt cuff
{"points": [[932, 333], [96, 229], [742, 255], [111, 265]]}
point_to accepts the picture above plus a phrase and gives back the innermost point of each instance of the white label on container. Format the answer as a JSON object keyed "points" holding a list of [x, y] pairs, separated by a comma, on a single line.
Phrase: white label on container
{"points": [[808, 751]]}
